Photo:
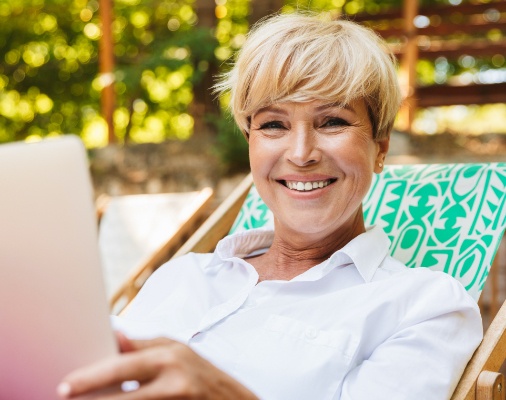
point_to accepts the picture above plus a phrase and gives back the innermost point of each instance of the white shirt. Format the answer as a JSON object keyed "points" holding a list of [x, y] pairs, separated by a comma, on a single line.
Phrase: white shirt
{"points": [[358, 326]]}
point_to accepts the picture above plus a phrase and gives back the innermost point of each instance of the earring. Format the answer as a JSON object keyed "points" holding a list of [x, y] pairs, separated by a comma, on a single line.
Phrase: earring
{"points": [[380, 164]]}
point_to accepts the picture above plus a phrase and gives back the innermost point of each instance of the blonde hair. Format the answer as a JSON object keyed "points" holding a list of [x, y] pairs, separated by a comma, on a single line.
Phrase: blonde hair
{"points": [[299, 57]]}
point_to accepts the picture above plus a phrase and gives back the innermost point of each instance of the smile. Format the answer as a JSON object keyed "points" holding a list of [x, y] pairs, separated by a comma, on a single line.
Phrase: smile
{"points": [[307, 186]]}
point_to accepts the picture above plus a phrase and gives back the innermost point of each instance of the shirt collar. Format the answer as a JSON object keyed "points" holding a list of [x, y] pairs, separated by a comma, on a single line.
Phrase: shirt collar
{"points": [[243, 244], [367, 251]]}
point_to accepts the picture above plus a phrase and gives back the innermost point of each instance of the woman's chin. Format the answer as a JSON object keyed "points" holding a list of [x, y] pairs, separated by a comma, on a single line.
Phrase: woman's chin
{"points": [[304, 226]]}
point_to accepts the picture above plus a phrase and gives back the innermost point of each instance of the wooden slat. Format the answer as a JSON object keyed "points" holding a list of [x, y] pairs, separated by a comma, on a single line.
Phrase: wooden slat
{"points": [[465, 9], [454, 49], [130, 287], [445, 29], [219, 222], [217, 226], [443, 95], [489, 356]]}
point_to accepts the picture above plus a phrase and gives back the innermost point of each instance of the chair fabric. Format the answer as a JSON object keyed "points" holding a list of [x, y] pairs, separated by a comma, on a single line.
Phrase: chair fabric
{"points": [[137, 233], [447, 217]]}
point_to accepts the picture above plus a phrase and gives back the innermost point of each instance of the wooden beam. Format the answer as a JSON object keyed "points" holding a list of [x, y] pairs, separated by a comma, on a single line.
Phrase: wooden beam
{"points": [[444, 95], [106, 61], [465, 9], [454, 49], [467, 28], [219, 222], [407, 70]]}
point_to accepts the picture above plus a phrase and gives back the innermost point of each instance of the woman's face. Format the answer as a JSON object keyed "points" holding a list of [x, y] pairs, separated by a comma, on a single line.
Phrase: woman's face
{"points": [[312, 164]]}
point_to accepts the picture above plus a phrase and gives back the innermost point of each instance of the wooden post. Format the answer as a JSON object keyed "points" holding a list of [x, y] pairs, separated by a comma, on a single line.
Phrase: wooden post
{"points": [[106, 60], [407, 75]]}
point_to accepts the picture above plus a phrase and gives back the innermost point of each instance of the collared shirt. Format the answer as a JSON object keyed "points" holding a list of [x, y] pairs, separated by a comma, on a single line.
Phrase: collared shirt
{"points": [[358, 326]]}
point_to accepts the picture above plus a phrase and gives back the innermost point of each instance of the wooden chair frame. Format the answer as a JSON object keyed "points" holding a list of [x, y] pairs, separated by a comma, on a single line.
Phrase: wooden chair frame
{"points": [[136, 278]]}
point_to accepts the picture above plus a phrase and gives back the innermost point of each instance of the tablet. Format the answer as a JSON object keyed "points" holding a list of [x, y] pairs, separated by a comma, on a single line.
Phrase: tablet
{"points": [[53, 308]]}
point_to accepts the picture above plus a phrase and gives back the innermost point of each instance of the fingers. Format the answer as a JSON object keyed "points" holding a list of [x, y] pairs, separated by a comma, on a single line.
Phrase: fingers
{"points": [[124, 343], [108, 373], [142, 360], [156, 389], [146, 344], [127, 345]]}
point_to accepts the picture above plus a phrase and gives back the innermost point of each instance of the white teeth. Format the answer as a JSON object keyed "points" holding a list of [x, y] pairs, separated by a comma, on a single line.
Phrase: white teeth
{"points": [[306, 186]]}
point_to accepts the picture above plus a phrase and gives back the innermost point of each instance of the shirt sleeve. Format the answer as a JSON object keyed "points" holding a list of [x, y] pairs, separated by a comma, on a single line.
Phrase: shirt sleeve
{"points": [[426, 355]]}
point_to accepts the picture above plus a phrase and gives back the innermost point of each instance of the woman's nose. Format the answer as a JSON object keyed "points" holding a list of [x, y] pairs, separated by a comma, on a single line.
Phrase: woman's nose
{"points": [[303, 148]]}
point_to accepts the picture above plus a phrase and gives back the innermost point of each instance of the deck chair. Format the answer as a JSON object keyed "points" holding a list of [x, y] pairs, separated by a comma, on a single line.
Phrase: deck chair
{"points": [[138, 233], [448, 217]]}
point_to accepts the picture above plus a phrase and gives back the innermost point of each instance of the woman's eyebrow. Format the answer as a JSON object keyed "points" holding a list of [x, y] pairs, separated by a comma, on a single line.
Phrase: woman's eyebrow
{"points": [[335, 105], [272, 108]]}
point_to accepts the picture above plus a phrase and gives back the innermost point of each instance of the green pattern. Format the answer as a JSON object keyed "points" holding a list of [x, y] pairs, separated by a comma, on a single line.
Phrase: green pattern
{"points": [[447, 217]]}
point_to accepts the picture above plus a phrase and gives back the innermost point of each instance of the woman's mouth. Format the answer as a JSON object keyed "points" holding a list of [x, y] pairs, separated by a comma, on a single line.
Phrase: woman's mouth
{"points": [[307, 186]]}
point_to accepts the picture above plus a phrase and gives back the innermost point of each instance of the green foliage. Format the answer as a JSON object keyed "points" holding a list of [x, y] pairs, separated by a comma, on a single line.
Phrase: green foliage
{"points": [[49, 62], [231, 27], [49, 77], [160, 55], [45, 59]]}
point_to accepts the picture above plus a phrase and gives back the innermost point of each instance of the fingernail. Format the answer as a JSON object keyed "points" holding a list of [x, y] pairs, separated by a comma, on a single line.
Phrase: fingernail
{"points": [[63, 389]]}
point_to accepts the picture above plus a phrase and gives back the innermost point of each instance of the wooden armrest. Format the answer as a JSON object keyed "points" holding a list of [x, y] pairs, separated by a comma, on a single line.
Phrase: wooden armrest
{"points": [[489, 356], [490, 386], [219, 222]]}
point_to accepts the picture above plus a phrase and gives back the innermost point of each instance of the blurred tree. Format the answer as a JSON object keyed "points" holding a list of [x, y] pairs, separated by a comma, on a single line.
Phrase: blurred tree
{"points": [[205, 107], [49, 78], [161, 54], [167, 53], [48, 52]]}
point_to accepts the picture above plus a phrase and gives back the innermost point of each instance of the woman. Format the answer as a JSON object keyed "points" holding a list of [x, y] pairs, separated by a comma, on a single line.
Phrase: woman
{"points": [[315, 309]]}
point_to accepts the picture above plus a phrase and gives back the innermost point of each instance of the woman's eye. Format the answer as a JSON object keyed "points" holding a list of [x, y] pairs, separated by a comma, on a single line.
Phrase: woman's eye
{"points": [[272, 125], [331, 122]]}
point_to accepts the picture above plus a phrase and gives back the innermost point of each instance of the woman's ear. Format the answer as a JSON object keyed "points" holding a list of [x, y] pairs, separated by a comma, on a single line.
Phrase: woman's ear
{"points": [[382, 146]]}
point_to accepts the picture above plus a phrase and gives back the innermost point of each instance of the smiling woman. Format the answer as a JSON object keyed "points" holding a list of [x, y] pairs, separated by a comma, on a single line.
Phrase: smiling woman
{"points": [[314, 309]]}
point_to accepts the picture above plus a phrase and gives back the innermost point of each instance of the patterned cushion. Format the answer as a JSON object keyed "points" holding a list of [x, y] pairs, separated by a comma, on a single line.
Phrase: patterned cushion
{"points": [[448, 217]]}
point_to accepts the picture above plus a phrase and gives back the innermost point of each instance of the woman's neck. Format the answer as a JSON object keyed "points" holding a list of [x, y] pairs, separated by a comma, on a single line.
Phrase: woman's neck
{"points": [[292, 254]]}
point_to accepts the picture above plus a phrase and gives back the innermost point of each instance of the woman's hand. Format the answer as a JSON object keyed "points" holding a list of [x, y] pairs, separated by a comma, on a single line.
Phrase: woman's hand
{"points": [[164, 368]]}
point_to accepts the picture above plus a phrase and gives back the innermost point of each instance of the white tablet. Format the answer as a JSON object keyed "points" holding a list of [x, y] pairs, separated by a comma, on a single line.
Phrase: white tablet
{"points": [[53, 308]]}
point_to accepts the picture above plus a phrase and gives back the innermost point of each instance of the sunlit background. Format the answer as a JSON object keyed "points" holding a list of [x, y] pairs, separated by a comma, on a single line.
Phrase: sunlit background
{"points": [[165, 51]]}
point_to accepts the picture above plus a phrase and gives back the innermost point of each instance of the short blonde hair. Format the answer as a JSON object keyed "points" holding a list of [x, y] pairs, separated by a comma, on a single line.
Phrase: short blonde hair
{"points": [[299, 57]]}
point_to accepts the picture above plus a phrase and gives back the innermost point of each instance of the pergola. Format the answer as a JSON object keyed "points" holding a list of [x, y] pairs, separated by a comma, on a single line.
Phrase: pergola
{"points": [[450, 31]]}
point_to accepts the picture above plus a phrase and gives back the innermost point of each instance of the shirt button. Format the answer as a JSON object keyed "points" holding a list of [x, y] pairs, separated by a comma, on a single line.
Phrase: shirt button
{"points": [[311, 333]]}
